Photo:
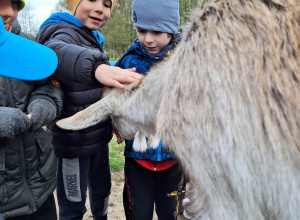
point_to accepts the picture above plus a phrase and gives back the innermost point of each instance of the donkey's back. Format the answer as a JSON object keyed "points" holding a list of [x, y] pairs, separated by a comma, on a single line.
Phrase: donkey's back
{"points": [[232, 112]]}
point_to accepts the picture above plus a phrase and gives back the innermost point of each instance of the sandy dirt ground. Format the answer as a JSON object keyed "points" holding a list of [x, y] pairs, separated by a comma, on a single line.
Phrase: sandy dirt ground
{"points": [[115, 211]]}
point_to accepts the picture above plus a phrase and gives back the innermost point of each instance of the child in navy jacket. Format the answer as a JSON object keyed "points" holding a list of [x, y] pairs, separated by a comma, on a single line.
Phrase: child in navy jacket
{"points": [[152, 177]]}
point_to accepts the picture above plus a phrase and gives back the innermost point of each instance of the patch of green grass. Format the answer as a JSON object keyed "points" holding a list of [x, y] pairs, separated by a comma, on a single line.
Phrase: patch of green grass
{"points": [[116, 155]]}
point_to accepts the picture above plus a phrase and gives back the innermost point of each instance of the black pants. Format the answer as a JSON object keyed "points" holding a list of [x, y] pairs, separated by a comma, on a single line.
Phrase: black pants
{"points": [[46, 212], [143, 188], [94, 174]]}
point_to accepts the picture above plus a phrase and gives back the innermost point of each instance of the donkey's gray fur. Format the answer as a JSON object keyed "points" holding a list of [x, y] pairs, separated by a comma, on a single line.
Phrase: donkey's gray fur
{"points": [[227, 102]]}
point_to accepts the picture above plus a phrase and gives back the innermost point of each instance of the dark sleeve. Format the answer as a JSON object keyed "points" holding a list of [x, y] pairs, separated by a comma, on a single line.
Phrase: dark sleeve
{"points": [[96, 64], [129, 61], [75, 63], [124, 62]]}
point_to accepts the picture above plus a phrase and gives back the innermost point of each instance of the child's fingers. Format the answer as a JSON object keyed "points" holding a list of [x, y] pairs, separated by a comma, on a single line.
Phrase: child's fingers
{"points": [[112, 82], [117, 81], [116, 84], [137, 75], [127, 79], [132, 69], [114, 76], [133, 75]]}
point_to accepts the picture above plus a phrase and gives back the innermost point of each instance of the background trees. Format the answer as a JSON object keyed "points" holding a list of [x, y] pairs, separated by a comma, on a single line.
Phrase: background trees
{"points": [[119, 31], [27, 21]]}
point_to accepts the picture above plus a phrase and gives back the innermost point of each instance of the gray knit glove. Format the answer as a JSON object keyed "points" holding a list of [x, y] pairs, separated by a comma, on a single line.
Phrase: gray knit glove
{"points": [[41, 112], [12, 122]]}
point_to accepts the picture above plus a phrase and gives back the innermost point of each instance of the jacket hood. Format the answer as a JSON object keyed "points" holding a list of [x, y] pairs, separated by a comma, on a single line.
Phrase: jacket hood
{"points": [[16, 28], [64, 20]]}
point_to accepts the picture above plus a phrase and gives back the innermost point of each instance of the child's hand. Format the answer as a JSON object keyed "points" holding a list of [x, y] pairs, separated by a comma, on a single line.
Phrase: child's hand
{"points": [[114, 76], [12, 122], [42, 112]]}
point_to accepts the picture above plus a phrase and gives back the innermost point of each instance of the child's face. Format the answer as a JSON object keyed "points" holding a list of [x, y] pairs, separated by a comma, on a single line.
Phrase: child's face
{"points": [[153, 41], [93, 13], [9, 12]]}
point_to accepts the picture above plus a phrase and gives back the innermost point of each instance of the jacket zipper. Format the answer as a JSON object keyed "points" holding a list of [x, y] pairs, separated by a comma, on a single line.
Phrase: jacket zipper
{"points": [[21, 150]]}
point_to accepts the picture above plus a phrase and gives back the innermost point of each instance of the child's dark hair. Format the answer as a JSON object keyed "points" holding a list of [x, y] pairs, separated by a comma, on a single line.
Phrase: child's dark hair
{"points": [[173, 37]]}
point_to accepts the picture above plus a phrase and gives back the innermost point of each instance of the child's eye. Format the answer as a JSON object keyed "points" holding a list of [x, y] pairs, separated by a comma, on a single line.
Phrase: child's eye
{"points": [[107, 4], [141, 30], [157, 32], [14, 2]]}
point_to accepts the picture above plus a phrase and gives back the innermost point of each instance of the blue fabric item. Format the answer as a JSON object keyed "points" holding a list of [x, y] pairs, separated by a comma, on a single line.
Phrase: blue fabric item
{"points": [[64, 17], [138, 57], [24, 59], [163, 15], [112, 63]]}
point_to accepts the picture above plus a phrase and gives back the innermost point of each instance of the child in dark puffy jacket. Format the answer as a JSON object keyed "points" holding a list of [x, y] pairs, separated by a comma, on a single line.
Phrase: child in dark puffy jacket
{"points": [[27, 159], [82, 72], [152, 177]]}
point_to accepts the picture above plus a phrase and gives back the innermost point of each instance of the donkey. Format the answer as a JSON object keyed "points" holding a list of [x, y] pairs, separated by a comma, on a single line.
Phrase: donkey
{"points": [[227, 101]]}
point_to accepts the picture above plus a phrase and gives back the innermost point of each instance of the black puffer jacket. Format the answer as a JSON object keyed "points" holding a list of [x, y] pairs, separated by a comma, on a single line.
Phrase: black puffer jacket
{"points": [[27, 162], [79, 55]]}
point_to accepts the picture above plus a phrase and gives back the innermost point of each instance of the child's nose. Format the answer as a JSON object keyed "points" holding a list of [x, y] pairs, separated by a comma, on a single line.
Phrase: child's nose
{"points": [[149, 37], [99, 7]]}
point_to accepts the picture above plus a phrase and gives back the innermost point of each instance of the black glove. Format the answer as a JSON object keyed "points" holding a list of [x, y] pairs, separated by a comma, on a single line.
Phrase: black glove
{"points": [[41, 112], [12, 122]]}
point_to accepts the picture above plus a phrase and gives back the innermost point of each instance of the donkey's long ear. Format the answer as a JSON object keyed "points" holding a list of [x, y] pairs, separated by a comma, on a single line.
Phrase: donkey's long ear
{"points": [[86, 118]]}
